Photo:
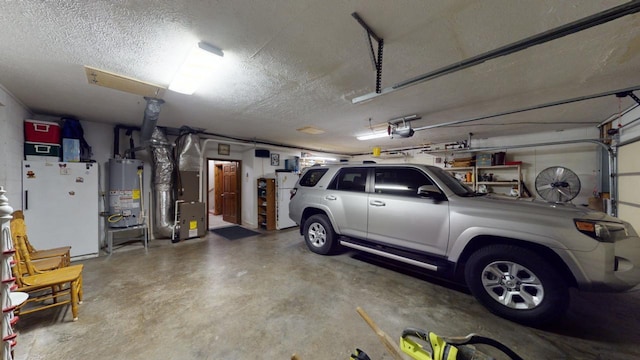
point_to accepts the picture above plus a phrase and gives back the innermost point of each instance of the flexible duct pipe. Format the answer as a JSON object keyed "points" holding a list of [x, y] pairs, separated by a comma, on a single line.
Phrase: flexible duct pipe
{"points": [[162, 183], [189, 153]]}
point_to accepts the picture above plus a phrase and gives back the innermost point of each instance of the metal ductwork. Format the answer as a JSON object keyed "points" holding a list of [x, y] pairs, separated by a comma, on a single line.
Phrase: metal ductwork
{"points": [[151, 115], [189, 152], [163, 165]]}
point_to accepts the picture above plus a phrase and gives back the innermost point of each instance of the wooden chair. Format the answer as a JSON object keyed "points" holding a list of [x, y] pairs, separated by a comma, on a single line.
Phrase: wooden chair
{"points": [[63, 252], [46, 289]]}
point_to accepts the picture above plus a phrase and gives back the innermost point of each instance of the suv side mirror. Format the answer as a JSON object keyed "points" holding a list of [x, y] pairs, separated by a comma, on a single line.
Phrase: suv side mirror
{"points": [[430, 191]]}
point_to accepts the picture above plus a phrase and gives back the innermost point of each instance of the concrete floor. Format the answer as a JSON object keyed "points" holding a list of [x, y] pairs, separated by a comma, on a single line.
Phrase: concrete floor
{"points": [[267, 297]]}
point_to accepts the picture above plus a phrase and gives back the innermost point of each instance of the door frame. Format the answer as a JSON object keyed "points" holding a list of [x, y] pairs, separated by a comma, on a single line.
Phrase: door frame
{"points": [[239, 187]]}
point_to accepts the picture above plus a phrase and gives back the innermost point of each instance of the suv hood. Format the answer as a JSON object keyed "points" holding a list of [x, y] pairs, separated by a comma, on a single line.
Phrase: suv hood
{"points": [[542, 208]]}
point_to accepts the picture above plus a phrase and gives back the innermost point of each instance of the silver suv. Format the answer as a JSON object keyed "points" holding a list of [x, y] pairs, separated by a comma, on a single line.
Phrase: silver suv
{"points": [[518, 257]]}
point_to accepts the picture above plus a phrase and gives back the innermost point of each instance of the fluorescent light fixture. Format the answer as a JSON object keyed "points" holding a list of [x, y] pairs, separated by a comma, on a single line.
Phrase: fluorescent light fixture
{"points": [[321, 158], [200, 62], [376, 135]]}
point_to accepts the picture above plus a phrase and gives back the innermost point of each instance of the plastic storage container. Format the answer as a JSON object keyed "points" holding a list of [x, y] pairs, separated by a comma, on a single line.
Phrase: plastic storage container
{"points": [[484, 160], [34, 150], [46, 132]]}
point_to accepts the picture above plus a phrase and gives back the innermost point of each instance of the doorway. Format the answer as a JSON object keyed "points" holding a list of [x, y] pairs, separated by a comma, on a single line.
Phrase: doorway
{"points": [[223, 192]]}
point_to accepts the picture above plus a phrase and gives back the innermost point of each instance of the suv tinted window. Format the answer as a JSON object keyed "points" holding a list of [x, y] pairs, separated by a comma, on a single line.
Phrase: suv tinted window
{"points": [[400, 181], [350, 179], [312, 176]]}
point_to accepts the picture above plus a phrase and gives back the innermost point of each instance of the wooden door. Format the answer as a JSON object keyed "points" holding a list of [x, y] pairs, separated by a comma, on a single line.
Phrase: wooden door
{"points": [[230, 193], [217, 190]]}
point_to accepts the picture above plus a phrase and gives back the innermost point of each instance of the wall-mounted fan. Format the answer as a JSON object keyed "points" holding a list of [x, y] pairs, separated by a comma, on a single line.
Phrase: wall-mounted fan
{"points": [[557, 184]]}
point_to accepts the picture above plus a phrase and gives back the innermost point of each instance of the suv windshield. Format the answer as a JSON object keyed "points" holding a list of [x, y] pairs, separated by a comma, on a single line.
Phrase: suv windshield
{"points": [[452, 183]]}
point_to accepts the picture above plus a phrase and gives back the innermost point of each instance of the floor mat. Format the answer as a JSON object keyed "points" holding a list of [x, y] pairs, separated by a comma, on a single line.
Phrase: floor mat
{"points": [[234, 232]]}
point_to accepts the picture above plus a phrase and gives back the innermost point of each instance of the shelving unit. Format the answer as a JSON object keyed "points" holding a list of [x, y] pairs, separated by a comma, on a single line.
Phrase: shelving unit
{"points": [[267, 203], [461, 173], [503, 178]]}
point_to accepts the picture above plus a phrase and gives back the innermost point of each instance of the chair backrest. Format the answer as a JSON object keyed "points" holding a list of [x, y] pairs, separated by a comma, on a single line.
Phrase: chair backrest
{"points": [[23, 256], [17, 215], [18, 267]]}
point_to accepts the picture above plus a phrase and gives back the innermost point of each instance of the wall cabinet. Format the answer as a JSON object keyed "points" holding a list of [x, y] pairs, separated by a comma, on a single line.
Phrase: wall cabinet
{"points": [[267, 203]]}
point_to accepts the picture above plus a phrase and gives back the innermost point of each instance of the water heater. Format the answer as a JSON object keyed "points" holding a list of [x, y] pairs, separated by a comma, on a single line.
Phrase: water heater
{"points": [[125, 192]]}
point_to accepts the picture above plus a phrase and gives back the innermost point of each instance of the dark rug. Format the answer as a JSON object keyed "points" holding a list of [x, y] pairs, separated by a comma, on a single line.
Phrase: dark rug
{"points": [[234, 232]]}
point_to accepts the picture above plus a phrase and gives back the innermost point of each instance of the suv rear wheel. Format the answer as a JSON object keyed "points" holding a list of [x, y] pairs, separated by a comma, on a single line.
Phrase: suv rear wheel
{"points": [[319, 235], [517, 284]]}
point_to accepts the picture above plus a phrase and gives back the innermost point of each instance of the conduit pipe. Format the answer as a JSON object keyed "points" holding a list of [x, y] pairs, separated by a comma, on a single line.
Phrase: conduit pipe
{"points": [[151, 115], [530, 108]]}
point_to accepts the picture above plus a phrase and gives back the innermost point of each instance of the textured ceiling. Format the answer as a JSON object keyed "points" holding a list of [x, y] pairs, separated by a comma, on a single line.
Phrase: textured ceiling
{"points": [[291, 64]]}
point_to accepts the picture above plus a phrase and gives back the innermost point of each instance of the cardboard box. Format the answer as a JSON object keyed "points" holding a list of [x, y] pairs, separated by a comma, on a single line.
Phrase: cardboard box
{"points": [[596, 203]]}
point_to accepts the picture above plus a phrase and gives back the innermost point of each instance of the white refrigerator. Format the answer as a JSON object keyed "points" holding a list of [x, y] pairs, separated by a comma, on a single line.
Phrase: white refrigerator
{"points": [[285, 181], [61, 206]]}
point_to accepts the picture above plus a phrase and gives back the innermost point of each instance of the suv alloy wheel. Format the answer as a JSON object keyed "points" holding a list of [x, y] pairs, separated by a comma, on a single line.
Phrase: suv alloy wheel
{"points": [[319, 235], [517, 284]]}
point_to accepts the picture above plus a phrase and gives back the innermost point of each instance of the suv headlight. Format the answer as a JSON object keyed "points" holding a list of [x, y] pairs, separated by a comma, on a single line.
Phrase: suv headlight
{"points": [[602, 231]]}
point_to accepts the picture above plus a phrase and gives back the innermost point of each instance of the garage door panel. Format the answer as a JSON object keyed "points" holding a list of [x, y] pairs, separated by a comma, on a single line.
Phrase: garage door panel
{"points": [[630, 214], [628, 160], [629, 184], [628, 188]]}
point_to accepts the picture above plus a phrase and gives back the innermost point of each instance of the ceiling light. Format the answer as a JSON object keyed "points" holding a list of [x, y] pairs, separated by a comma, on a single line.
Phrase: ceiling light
{"points": [[375, 135], [200, 63], [321, 158]]}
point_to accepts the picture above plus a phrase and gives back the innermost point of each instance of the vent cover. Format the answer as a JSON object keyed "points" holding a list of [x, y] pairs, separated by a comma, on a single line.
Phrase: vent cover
{"points": [[311, 130]]}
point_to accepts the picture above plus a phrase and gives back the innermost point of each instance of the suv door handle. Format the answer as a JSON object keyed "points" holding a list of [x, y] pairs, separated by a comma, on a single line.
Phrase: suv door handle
{"points": [[330, 197], [377, 203]]}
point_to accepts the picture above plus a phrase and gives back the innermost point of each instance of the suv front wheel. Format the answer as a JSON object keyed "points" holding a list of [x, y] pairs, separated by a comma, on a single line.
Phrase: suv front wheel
{"points": [[517, 284], [319, 235]]}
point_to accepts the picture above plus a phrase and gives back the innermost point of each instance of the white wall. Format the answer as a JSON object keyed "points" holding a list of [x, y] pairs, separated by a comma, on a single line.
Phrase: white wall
{"points": [[12, 115], [583, 159], [257, 168]]}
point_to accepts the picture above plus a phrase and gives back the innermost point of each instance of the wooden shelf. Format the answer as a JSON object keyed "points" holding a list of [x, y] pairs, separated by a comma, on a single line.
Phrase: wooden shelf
{"points": [[266, 203], [500, 172], [464, 170], [505, 178]]}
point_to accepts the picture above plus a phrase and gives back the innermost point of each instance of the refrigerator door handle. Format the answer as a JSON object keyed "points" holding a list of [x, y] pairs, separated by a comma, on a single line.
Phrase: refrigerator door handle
{"points": [[26, 199]]}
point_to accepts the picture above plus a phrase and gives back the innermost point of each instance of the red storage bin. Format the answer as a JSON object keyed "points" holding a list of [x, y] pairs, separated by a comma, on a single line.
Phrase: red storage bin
{"points": [[41, 132]]}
